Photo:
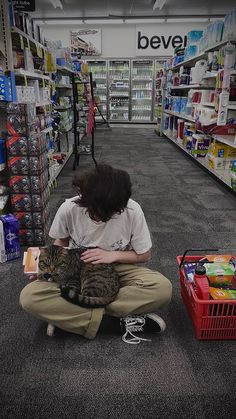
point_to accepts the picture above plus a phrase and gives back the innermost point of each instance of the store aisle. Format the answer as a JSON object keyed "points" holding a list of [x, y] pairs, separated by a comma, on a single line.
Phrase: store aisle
{"points": [[105, 378]]}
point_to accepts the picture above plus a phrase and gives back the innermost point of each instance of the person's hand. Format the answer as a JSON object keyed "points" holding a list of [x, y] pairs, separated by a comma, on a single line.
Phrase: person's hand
{"points": [[96, 256]]}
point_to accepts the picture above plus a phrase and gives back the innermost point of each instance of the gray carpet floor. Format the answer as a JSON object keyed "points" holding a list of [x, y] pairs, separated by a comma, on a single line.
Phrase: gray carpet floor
{"points": [[175, 375]]}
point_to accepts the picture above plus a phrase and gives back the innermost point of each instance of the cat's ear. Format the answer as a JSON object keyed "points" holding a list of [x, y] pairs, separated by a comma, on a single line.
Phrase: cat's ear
{"points": [[64, 251]]}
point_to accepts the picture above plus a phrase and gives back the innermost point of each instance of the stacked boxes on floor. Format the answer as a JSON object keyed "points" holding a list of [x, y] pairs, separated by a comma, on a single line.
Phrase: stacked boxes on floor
{"points": [[28, 174]]}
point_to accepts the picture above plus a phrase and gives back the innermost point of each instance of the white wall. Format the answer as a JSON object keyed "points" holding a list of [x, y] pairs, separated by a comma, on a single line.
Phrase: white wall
{"points": [[119, 41]]}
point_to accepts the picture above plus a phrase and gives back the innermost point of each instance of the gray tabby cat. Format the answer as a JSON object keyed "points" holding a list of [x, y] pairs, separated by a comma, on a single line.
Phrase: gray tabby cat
{"points": [[81, 283]]}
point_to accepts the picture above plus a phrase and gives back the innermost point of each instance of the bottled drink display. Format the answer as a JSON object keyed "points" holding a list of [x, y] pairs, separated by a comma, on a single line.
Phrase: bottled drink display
{"points": [[119, 90], [142, 90], [99, 72]]}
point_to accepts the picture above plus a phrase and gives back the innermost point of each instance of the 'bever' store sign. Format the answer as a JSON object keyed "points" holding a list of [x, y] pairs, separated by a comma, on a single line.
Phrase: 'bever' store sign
{"points": [[160, 39]]}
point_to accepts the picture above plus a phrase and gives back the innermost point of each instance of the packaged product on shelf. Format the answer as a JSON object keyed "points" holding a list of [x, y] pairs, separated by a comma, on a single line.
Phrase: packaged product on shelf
{"points": [[18, 59], [18, 165], [36, 145], [30, 237], [2, 154], [230, 26], [25, 94], [26, 237], [38, 183], [19, 184], [25, 219], [7, 87], [39, 219], [38, 164], [180, 130], [233, 175], [193, 37], [9, 238], [21, 202], [4, 204], [28, 110], [200, 145], [17, 125], [197, 72], [17, 146], [28, 60]]}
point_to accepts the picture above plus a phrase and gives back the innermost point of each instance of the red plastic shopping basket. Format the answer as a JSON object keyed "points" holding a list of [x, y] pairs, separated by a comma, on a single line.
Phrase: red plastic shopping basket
{"points": [[212, 319]]}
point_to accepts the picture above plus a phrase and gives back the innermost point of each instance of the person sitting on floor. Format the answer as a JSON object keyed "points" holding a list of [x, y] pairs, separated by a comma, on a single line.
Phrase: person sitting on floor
{"points": [[103, 216]]}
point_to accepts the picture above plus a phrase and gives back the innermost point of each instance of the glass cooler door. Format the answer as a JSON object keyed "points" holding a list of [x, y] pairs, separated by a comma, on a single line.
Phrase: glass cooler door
{"points": [[99, 72], [142, 90], [119, 90]]}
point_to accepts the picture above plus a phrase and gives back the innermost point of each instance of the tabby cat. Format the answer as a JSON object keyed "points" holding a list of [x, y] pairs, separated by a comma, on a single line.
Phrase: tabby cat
{"points": [[81, 283]]}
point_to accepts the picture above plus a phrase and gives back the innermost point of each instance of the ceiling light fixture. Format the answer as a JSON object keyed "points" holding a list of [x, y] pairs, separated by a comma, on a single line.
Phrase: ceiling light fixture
{"points": [[56, 4], [186, 20], [137, 21], [103, 21], [158, 4]]}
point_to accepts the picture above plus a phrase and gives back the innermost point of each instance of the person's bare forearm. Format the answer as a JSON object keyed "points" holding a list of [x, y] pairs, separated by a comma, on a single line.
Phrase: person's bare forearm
{"points": [[131, 256], [62, 242]]}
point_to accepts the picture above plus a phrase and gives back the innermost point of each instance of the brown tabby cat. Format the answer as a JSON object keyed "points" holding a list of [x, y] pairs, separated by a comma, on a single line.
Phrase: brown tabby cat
{"points": [[81, 283]]}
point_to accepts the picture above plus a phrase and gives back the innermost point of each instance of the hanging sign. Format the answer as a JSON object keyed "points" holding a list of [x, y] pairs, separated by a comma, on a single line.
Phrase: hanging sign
{"points": [[24, 5]]}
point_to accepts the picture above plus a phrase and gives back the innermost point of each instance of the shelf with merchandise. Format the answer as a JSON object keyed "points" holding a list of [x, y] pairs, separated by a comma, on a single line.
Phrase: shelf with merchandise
{"points": [[29, 38], [192, 113], [223, 175]]}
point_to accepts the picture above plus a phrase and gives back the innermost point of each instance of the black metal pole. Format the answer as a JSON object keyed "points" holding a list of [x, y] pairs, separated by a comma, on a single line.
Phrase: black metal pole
{"points": [[75, 102], [92, 97]]}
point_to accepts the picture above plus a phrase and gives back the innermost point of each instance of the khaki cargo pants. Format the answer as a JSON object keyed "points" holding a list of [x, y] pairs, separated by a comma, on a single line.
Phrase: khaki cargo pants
{"points": [[142, 291]]}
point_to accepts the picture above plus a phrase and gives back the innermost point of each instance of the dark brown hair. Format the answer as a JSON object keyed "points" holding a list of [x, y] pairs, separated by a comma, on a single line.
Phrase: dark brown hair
{"points": [[103, 190]]}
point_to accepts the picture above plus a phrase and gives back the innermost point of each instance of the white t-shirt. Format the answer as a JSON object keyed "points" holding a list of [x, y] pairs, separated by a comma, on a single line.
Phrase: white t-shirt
{"points": [[125, 231]]}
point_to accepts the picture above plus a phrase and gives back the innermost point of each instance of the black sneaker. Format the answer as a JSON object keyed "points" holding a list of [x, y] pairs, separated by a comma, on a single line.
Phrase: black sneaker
{"points": [[133, 327]]}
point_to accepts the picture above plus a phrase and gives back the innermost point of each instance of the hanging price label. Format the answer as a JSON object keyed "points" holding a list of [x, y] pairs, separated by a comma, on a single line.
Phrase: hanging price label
{"points": [[26, 81]]}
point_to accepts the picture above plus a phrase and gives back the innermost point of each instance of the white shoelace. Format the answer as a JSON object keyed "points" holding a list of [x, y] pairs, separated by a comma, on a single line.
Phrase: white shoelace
{"points": [[134, 324]]}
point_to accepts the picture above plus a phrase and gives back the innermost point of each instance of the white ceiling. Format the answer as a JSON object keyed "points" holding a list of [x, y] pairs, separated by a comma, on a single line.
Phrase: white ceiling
{"points": [[129, 8]]}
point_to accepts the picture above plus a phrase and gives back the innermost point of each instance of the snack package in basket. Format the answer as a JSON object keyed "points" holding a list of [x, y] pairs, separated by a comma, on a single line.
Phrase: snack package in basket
{"points": [[221, 270], [222, 294]]}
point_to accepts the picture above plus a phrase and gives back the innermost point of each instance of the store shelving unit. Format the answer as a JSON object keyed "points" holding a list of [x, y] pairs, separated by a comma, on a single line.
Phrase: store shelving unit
{"points": [[209, 81], [159, 95], [222, 175], [119, 90], [65, 111]]}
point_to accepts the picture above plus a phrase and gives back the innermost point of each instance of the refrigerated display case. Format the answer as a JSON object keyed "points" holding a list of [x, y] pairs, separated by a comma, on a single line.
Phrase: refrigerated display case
{"points": [[142, 90], [119, 90], [98, 69]]}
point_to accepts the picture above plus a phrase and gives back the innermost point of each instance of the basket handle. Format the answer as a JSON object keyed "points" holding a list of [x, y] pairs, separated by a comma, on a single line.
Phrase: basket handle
{"points": [[195, 250]]}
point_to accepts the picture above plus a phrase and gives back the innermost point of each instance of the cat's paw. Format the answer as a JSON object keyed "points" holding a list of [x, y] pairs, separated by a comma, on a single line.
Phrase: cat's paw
{"points": [[50, 330], [68, 293]]}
